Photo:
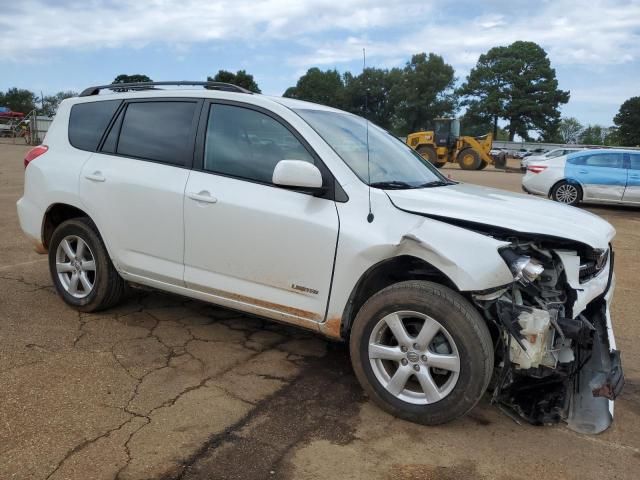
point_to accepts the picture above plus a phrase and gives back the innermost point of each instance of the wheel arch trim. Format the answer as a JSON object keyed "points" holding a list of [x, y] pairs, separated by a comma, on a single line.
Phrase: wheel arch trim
{"points": [[45, 234]]}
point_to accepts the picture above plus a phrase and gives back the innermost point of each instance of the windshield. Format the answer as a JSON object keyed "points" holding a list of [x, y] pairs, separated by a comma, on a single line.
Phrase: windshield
{"points": [[392, 163]]}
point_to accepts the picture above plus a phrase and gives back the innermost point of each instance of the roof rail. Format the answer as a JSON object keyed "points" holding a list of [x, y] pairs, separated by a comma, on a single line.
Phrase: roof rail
{"points": [[227, 87]]}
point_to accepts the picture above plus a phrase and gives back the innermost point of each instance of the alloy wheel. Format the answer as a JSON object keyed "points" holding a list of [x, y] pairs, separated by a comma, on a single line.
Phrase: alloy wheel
{"points": [[414, 357], [567, 193], [76, 266]]}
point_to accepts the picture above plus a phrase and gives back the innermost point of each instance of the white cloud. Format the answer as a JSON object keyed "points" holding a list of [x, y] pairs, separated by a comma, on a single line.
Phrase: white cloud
{"points": [[32, 26], [583, 38], [601, 32]]}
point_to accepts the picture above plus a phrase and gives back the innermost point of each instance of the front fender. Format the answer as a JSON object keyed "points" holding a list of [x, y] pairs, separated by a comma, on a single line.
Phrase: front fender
{"points": [[470, 259]]}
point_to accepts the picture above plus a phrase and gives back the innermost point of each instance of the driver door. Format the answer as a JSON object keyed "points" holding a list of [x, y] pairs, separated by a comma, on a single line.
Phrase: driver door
{"points": [[253, 245]]}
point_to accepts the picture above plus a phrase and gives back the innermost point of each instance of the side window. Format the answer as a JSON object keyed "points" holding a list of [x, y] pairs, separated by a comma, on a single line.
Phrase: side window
{"points": [[244, 143], [158, 131], [634, 161], [88, 121], [612, 160], [111, 142]]}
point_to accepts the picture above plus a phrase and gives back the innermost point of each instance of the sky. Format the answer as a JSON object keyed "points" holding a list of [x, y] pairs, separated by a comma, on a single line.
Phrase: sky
{"points": [[53, 45]]}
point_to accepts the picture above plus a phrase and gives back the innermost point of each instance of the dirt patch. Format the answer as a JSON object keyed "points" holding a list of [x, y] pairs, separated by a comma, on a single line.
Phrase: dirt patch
{"points": [[419, 471], [321, 403]]}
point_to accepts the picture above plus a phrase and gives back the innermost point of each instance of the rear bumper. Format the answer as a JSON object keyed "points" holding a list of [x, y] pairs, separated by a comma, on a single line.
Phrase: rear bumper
{"points": [[535, 184], [30, 220]]}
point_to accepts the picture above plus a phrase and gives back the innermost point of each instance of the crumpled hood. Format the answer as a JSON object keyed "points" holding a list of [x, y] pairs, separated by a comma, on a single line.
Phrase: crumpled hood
{"points": [[514, 211]]}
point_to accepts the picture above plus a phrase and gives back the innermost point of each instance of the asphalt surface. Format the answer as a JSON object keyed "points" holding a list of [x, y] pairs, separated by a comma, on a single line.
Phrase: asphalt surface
{"points": [[163, 387]]}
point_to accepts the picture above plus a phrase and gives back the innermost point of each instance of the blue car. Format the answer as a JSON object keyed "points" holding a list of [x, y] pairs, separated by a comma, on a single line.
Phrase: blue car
{"points": [[596, 176]]}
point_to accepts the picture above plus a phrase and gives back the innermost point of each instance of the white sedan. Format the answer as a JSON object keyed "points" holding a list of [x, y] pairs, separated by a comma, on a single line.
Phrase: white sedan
{"points": [[598, 176], [556, 152]]}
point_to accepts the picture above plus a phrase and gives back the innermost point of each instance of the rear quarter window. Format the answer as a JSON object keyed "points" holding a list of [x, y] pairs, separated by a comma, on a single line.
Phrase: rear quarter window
{"points": [[88, 121]]}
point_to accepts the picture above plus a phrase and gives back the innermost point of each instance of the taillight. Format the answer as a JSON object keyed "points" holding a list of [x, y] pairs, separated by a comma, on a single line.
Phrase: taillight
{"points": [[34, 153], [536, 168]]}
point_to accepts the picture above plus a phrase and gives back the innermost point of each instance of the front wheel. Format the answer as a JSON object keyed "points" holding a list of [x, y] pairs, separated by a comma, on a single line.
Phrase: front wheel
{"points": [[421, 352], [81, 269]]}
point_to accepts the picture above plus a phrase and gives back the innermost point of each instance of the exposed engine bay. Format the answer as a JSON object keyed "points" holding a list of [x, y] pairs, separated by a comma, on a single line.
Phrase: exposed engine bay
{"points": [[556, 358]]}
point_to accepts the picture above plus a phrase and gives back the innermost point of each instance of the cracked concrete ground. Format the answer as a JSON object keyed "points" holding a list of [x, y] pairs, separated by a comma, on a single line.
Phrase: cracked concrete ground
{"points": [[163, 387]]}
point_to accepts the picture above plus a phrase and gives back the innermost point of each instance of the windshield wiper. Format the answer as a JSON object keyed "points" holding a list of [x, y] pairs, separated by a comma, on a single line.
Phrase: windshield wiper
{"points": [[435, 183], [392, 185]]}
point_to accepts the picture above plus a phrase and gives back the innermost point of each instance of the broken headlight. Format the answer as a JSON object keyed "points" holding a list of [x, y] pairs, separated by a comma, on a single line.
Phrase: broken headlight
{"points": [[524, 268]]}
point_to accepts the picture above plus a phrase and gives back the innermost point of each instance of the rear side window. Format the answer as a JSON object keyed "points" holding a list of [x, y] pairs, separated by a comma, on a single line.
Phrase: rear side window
{"points": [[158, 131], [611, 160], [88, 121]]}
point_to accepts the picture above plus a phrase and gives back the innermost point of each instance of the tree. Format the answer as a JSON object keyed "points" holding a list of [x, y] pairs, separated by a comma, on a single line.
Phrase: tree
{"points": [[241, 78], [369, 95], [124, 78], [475, 124], [569, 130], [517, 84], [135, 78], [424, 92], [326, 88], [592, 135], [18, 100], [51, 103], [627, 121]]}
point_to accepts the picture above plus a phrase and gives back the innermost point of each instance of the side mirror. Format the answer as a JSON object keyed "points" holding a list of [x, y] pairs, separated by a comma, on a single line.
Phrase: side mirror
{"points": [[297, 174]]}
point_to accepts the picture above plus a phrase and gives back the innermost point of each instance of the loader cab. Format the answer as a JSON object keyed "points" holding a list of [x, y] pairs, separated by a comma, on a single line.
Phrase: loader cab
{"points": [[447, 131]]}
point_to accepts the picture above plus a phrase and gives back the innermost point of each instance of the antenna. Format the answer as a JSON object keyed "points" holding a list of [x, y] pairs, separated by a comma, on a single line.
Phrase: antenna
{"points": [[366, 117]]}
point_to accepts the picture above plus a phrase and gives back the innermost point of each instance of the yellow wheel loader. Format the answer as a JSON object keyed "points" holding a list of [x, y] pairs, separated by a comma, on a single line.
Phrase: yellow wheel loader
{"points": [[444, 144]]}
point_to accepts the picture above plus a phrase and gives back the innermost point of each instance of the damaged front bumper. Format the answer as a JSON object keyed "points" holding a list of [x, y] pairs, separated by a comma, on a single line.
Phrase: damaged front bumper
{"points": [[559, 360], [601, 379]]}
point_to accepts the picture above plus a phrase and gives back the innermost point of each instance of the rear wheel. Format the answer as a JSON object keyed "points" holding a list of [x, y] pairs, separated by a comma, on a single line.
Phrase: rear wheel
{"points": [[421, 352], [567, 193], [469, 159], [429, 153], [81, 269]]}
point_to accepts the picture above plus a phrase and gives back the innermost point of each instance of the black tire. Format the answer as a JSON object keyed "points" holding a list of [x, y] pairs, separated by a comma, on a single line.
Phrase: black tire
{"points": [[469, 159], [463, 323], [567, 193], [429, 153], [483, 165], [108, 287]]}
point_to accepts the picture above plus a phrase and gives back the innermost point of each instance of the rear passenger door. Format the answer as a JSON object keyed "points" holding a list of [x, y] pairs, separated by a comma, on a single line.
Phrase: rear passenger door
{"points": [[134, 185], [601, 174], [632, 192]]}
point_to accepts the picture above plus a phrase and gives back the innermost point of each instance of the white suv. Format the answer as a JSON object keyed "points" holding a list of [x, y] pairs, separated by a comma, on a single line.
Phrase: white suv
{"points": [[312, 216]]}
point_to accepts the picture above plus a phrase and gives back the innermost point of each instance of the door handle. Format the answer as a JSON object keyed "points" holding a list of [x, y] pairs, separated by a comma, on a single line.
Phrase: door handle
{"points": [[202, 196], [584, 171], [95, 177]]}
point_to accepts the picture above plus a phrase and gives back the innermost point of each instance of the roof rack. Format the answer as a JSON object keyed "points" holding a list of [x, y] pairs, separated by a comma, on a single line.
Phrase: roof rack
{"points": [[227, 87]]}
